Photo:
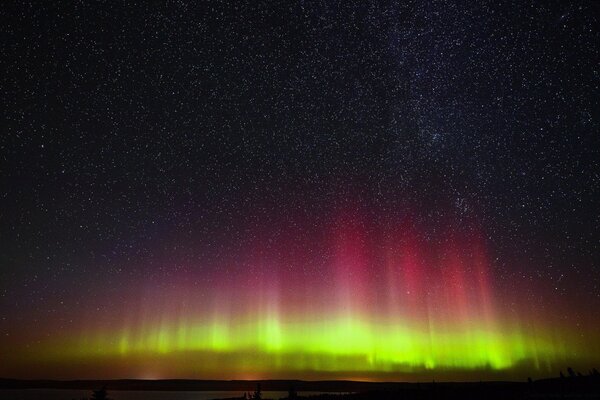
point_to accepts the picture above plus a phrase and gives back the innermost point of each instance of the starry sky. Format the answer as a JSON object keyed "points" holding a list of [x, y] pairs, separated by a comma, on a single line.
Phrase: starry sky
{"points": [[302, 189]]}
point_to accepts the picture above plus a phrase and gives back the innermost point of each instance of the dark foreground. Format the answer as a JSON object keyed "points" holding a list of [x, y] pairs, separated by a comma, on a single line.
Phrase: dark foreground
{"points": [[574, 387]]}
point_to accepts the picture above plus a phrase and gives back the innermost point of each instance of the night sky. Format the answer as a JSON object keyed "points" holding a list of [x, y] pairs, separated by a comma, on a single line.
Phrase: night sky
{"points": [[333, 189]]}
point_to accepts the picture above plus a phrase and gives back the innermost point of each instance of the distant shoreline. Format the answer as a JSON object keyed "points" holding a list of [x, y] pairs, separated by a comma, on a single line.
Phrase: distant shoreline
{"points": [[572, 386]]}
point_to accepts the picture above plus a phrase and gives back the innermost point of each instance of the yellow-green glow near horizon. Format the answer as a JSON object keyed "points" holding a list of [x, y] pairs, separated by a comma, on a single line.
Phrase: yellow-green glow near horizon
{"points": [[339, 346], [378, 347]]}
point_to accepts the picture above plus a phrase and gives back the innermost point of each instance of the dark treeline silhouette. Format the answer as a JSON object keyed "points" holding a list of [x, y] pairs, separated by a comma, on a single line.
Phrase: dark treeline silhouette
{"points": [[575, 386], [100, 394], [572, 385]]}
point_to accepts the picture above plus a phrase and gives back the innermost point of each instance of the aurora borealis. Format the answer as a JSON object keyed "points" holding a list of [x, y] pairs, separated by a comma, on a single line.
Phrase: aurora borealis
{"points": [[385, 301], [300, 191]]}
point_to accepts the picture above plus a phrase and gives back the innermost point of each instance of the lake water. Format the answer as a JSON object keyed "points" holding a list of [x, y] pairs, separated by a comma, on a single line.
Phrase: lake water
{"points": [[62, 394]]}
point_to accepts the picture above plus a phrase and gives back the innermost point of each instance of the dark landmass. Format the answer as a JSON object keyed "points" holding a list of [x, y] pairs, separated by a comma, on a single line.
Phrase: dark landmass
{"points": [[565, 387]]}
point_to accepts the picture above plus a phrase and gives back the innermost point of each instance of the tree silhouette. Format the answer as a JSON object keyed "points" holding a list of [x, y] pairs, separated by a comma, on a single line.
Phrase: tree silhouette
{"points": [[100, 394], [257, 393], [292, 394]]}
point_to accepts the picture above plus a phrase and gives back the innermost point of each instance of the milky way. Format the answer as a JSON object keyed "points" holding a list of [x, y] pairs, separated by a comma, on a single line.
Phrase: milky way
{"points": [[300, 190]]}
